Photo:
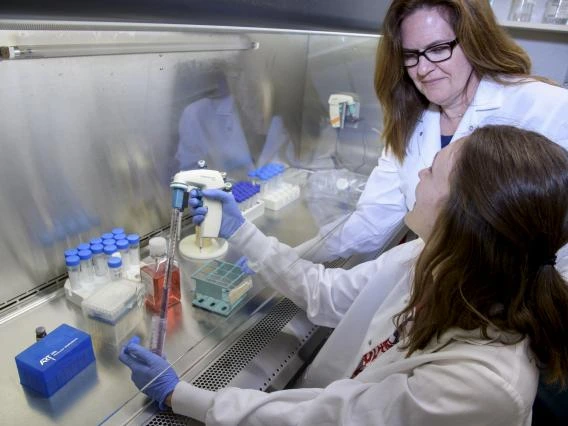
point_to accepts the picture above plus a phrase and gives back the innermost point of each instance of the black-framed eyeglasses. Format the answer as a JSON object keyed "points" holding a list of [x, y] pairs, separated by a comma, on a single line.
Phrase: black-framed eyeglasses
{"points": [[437, 53]]}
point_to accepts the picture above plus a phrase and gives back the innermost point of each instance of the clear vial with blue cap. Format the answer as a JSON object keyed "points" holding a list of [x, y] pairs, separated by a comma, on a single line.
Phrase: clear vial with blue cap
{"points": [[107, 236], [120, 237], [83, 246], [73, 264], [114, 264], [109, 242], [99, 260], [87, 272], [96, 241], [71, 252], [123, 248], [109, 250], [117, 231], [134, 251]]}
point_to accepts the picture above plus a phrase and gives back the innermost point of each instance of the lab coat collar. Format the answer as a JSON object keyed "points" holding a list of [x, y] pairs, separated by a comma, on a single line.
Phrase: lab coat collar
{"points": [[472, 337]]}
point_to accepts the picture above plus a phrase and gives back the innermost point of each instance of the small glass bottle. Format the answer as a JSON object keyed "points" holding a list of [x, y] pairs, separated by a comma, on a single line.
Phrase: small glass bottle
{"points": [[109, 242], [107, 236], [87, 272], [95, 241], [117, 231], [40, 333], [120, 237], [134, 241], [521, 10], [115, 268], [123, 247], [71, 252], [83, 246], [153, 274], [74, 271], [109, 251], [99, 260]]}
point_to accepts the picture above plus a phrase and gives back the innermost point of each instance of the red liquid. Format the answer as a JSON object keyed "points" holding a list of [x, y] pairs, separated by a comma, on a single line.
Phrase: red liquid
{"points": [[154, 281]]}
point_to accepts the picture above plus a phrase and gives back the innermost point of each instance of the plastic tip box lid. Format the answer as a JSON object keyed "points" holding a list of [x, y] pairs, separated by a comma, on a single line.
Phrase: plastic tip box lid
{"points": [[49, 364], [110, 303]]}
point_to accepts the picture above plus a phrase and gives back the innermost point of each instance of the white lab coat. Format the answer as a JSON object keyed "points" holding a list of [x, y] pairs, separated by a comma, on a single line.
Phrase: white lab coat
{"points": [[389, 192], [459, 378], [210, 129]]}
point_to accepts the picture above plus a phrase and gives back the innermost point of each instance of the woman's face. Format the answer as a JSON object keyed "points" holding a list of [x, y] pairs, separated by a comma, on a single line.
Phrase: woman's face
{"points": [[432, 191], [442, 83]]}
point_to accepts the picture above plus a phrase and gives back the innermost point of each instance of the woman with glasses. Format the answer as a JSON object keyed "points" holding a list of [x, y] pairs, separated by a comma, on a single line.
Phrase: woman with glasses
{"points": [[443, 69], [449, 329]]}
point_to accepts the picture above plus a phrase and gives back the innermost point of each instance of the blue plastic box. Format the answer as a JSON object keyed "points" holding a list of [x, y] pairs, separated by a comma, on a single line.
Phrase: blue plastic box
{"points": [[50, 363]]}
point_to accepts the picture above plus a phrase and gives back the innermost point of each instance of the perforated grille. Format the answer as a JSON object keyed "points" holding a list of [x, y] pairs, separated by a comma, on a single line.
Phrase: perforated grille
{"points": [[237, 356], [222, 371]]}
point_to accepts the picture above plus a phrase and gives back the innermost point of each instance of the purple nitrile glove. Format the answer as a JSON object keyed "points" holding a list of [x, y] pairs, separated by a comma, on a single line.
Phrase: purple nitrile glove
{"points": [[148, 367], [232, 217]]}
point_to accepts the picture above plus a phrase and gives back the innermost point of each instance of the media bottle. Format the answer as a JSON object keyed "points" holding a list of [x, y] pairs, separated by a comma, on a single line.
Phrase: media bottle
{"points": [[153, 275]]}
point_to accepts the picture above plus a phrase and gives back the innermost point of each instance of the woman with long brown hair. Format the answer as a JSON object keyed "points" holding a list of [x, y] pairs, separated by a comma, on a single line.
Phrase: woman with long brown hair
{"points": [[452, 328], [443, 68]]}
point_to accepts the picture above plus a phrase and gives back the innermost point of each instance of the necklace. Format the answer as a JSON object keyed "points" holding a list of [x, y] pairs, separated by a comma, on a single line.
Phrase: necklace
{"points": [[452, 117]]}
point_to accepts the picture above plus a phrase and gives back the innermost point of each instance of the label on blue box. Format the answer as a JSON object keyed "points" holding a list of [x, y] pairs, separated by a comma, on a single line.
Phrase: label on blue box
{"points": [[50, 363]]}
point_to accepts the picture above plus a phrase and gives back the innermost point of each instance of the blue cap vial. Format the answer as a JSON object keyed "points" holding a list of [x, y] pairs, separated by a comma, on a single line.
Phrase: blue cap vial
{"points": [[71, 252], [85, 254], [110, 249], [97, 248], [120, 237], [83, 246], [116, 231], [114, 262], [96, 241], [133, 239], [72, 260], [122, 244], [109, 242]]}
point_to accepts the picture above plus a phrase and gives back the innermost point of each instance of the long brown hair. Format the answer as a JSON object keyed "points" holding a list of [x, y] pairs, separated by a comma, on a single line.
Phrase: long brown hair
{"points": [[489, 261], [489, 49]]}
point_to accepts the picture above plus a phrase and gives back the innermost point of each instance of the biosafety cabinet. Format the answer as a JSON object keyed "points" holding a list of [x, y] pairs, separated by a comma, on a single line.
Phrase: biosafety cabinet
{"points": [[102, 103]]}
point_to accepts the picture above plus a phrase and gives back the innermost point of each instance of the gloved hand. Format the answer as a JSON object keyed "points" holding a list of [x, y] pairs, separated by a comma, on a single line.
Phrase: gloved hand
{"points": [[232, 217], [146, 366], [243, 264]]}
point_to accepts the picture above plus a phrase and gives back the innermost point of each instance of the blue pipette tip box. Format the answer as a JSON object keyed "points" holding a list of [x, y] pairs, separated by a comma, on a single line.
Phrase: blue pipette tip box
{"points": [[49, 364]]}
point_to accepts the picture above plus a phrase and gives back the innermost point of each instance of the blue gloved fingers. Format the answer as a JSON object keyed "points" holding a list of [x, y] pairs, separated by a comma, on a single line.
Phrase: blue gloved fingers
{"points": [[195, 202], [232, 217], [199, 215], [142, 354]]}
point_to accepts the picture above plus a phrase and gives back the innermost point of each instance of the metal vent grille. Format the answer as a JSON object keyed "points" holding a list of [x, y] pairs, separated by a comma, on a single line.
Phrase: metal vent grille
{"points": [[222, 371], [336, 263], [234, 360]]}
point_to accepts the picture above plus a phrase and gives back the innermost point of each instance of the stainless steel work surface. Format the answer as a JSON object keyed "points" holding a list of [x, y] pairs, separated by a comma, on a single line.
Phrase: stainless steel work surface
{"points": [[105, 386]]}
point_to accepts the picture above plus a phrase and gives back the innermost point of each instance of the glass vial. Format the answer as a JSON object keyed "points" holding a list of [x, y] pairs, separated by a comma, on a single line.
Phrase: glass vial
{"points": [[40, 333], [123, 248], [74, 271], [115, 268], [87, 272], [153, 275], [521, 10], [134, 241], [99, 260], [556, 12]]}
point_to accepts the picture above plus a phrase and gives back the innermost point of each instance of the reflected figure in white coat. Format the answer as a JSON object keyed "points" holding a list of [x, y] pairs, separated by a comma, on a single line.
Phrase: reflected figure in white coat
{"points": [[210, 129], [449, 329]]}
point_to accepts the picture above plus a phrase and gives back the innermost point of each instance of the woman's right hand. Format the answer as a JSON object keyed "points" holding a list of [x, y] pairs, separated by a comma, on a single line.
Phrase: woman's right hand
{"points": [[232, 218]]}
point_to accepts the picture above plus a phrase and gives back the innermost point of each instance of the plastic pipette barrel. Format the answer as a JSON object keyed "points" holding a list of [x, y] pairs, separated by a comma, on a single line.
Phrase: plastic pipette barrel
{"points": [[159, 324]]}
